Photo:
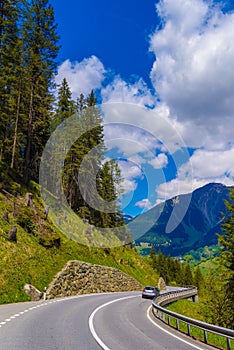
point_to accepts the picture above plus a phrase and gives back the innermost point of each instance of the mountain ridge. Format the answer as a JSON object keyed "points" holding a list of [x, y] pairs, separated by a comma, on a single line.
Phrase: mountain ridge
{"points": [[197, 227]]}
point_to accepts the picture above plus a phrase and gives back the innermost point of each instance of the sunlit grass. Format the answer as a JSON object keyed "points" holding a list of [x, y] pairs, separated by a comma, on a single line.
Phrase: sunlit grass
{"points": [[192, 310], [27, 261]]}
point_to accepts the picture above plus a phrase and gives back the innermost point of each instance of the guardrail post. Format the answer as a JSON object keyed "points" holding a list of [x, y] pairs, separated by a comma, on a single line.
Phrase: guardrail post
{"points": [[205, 337], [44, 294], [207, 328], [188, 329], [228, 344]]}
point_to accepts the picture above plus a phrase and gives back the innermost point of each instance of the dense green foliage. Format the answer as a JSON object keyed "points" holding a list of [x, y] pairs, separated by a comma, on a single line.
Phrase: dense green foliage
{"points": [[194, 310], [214, 284], [29, 113], [28, 49], [172, 270], [227, 259]]}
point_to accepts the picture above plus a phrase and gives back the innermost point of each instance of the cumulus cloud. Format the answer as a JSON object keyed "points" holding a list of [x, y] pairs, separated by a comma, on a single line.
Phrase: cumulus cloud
{"points": [[209, 164], [144, 204], [82, 76], [193, 72], [121, 91], [203, 167], [129, 172], [160, 161], [149, 128]]}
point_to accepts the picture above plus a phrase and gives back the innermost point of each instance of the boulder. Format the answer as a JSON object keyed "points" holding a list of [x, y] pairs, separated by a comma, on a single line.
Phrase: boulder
{"points": [[33, 292], [28, 200], [162, 284], [12, 235]]}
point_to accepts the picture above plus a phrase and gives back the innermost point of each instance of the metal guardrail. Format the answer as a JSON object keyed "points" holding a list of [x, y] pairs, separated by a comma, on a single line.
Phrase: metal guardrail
{"points": [[169, 297]]}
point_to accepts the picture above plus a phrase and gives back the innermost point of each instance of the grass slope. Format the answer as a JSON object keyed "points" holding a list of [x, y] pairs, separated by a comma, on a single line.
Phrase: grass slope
{"points": [[193, 310], [36, 258]]}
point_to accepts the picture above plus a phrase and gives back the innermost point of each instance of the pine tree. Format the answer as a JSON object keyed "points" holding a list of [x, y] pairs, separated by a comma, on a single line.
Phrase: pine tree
{"points": [[65, 105], [227, 257], [152, 253], [198, 278], [187, 275], [108, 181], [90, 183], [215, 306], [9, 34], [40, 51], [161, 265]]}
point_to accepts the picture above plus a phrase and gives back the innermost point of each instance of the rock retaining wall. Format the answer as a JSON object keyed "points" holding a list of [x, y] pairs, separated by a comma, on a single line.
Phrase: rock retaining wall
{"points": [[78, 277]]}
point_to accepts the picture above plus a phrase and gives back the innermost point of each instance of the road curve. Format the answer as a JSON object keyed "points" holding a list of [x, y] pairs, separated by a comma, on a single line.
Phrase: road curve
{"points": [[116, 321]]}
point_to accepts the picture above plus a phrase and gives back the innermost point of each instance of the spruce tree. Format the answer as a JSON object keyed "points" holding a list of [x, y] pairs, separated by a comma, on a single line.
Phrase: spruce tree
{"points": [[9, 37], [152, 251], [65, 105], [90, 183], [108, 182], [187, 275], [40, 51], [161, 265], [198, 279], [227, 257]]}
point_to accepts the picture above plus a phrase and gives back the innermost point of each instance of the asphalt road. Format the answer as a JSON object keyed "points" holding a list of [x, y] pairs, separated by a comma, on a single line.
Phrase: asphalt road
{"points": [[116, 321]]}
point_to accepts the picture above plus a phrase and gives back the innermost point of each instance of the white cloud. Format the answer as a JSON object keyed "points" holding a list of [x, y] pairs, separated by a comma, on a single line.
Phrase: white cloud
{"points": [[128, 185], [82, 76], [121, 91], [160, 161], [129, 172], [204, 167], [208, 164], [193, 72], [144, 204], [149, 129]]}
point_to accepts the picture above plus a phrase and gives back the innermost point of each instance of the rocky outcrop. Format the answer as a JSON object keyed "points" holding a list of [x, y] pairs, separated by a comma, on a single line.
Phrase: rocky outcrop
{"points": [[78, 277]]}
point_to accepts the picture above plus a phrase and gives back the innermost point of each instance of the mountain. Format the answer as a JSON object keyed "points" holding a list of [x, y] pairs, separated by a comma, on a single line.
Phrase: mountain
{"points": [[184, 222]]}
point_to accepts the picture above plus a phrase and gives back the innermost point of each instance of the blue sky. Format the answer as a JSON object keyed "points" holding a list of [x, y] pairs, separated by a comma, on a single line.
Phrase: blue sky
{"points": [[166, 69], [117, 32]]}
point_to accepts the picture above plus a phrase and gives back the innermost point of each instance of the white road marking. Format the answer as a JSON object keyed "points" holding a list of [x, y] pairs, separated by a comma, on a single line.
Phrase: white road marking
{"points": [[171, 334], [50, 302], [91, 325]]}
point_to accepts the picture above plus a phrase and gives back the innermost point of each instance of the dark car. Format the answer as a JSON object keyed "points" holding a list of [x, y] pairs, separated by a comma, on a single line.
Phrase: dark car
{"points": [[150, 292]]}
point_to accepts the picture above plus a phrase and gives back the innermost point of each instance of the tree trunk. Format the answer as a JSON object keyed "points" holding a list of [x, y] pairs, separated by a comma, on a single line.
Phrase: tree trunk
{"points": [[16, 130], [27, 172]]}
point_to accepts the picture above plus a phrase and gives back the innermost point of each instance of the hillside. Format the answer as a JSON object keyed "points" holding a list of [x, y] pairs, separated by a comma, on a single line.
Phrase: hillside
{"points": [[198, 228], [42, 250]]}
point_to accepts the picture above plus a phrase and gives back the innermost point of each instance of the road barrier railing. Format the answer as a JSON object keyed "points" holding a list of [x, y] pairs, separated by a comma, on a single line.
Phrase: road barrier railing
{"points": [[160, 312]]}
